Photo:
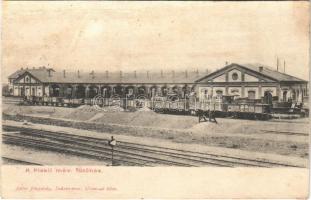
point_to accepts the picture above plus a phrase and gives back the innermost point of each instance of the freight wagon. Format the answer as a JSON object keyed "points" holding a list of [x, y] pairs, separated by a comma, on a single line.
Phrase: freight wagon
{"points": [[224, 107]]}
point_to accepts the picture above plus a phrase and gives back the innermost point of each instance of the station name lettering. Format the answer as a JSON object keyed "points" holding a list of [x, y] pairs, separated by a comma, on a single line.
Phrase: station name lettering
{"points": [[63, 170]]}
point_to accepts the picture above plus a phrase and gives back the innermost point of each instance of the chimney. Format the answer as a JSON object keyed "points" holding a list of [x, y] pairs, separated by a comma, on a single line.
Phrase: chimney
{"points": [[64, 73], [78, 73], [227, 63], [135, 74], [260, 68], [161, 73], [107, 74], [186, 74], [22, 68], [93, 74], [284, 66]]}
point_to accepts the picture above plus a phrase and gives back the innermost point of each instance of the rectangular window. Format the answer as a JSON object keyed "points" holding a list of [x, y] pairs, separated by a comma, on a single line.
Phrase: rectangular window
{"points": [[251, 94]]}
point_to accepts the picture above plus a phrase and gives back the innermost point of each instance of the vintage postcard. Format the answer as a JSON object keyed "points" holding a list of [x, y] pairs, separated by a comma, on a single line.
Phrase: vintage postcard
{"points": [[167, 100]]}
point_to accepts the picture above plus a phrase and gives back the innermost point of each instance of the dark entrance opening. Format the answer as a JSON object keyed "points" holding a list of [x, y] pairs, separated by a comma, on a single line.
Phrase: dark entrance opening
{"points": [[141, 91], [55, 91], [130, 92], [33, 92], [93, 91], [164, 91], [119, 91], [106, 92], [153, 91], [80, 92], [22, 92], [285, 96], [267, 97], [68, 91]]}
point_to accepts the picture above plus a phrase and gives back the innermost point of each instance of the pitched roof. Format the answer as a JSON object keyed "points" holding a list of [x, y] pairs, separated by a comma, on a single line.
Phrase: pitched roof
{"points": [[17, 74], [266, 71], [33, 70], [178, 77]]}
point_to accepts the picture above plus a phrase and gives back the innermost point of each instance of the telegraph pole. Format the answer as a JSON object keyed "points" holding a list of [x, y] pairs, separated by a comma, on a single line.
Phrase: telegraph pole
{"points": [[112, 143]]}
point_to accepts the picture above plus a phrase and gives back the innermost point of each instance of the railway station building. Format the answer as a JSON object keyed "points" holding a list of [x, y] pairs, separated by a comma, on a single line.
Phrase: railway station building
{"points": [[250, 81], [253, 81], [44, 81]]}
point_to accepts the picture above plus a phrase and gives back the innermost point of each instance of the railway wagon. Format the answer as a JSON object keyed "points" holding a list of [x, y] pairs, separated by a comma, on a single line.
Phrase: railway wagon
{"points": [[250, 110], [53, 101], [180, 107], [234, 110]]}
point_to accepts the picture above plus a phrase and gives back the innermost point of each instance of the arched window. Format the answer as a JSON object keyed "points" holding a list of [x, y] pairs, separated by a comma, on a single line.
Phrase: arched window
{"points": [[219, 94], [285, 96], [206, 94], [267, 97], [293, 95]]}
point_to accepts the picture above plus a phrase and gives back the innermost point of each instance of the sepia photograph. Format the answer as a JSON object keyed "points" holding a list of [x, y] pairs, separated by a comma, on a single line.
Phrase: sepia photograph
{"points": [[155, 84]]}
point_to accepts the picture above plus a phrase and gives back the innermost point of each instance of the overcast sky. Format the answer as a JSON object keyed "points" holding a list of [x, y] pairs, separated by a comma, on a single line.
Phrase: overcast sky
{"points": [[154, 35]]}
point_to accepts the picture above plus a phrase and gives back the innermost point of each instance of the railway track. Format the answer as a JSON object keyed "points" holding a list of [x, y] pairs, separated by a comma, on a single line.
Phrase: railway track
{"points": [[18, 161], [125, 153], [12, 100], [285, 132]]}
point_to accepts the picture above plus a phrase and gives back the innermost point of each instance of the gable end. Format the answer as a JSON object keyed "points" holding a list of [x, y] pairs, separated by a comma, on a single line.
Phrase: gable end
{"points": [[236, 73], [27, 77]]}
